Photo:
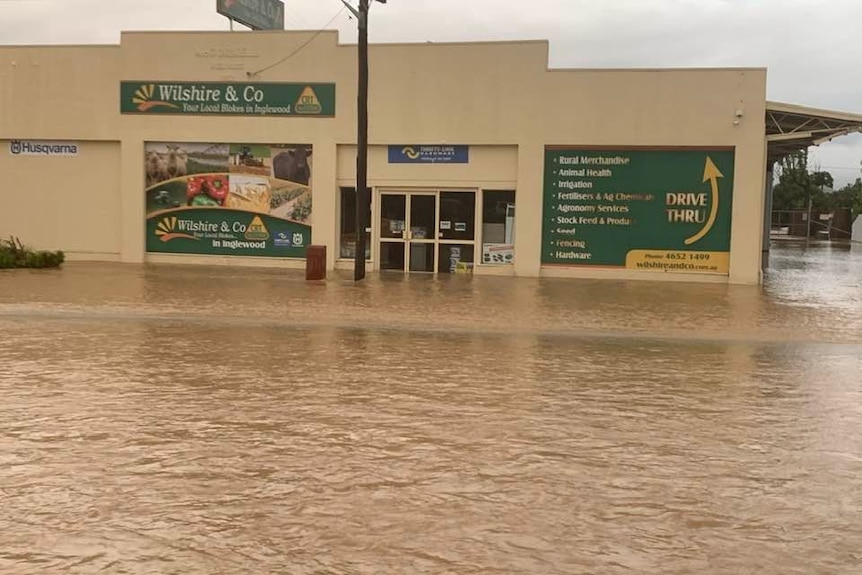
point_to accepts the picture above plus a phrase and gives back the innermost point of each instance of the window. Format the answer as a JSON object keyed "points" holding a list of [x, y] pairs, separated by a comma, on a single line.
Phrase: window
{"points": [[457, 215], [348, 226], [498, 227]]}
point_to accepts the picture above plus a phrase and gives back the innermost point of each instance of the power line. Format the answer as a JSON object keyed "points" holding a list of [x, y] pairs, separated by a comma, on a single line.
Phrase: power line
{"points": [[302, 46]]}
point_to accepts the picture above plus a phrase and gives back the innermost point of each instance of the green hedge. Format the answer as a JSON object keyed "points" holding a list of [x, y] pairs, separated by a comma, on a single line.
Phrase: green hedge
{"points": [[13, 254]]}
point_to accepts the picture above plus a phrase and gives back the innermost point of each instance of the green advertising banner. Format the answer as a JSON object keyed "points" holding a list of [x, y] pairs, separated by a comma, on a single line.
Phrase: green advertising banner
{"points": [[645, 209], [233, 99], [226, 233], [256, 14], [228, 199]]}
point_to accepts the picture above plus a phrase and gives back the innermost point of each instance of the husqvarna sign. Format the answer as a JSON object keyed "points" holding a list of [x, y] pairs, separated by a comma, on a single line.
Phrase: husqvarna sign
{"points": [[42, 148]]}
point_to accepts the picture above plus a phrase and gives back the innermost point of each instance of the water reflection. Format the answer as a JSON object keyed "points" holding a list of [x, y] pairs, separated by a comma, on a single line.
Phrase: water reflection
{"points": [[172, 420], [822, 276]]}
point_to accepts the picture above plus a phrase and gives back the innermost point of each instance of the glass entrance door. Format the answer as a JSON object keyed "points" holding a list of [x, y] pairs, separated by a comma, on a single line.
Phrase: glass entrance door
{"points": [[408, 231]]}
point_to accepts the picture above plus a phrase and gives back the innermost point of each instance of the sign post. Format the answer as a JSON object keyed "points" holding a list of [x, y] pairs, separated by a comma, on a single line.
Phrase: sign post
{"points": [[256, 14]]}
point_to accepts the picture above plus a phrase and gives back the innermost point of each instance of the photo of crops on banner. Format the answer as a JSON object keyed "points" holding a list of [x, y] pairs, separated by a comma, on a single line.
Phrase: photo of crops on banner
{"points": [[228, 199]]}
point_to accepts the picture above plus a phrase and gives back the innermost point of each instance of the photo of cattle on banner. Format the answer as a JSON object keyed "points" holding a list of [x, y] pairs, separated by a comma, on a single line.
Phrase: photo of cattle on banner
{"points": [[290, 164]]}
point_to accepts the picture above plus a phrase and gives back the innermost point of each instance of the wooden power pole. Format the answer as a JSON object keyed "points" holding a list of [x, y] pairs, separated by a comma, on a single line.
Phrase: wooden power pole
{"points": [[363, 194]]}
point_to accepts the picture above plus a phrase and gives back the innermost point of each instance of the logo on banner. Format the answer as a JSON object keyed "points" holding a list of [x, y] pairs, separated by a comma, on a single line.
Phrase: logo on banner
{"points": [[166, 230], [281, 240], [256, 230], [308, 102], [410, 153], [143, 98]]}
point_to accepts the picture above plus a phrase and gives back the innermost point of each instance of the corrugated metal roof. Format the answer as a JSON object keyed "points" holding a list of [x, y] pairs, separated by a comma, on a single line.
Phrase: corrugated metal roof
{"points": [[791, 128]]}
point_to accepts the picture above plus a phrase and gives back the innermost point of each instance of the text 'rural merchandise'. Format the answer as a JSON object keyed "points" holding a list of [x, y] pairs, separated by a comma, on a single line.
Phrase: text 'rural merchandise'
{"points": [[644, 209]]}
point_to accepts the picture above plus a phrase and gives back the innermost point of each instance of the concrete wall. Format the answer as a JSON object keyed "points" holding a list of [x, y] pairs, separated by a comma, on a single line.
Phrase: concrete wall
{"points": [[499, 98], [67, 202]]}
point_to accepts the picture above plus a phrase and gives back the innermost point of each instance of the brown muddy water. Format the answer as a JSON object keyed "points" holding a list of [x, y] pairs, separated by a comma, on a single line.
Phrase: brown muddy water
{"points": [[189, 420]]}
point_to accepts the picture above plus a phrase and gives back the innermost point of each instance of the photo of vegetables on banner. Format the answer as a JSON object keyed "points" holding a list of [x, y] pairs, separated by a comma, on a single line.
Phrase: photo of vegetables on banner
{"points": [[228, 199]]}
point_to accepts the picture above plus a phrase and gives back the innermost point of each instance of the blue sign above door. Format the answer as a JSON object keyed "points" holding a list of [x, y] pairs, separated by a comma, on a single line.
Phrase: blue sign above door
{"points": [[429, 154]]}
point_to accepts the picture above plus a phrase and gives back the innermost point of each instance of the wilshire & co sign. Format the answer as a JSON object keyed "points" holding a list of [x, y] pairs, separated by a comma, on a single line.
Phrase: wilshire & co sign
{"points": [[256, 14], [227, 99]]}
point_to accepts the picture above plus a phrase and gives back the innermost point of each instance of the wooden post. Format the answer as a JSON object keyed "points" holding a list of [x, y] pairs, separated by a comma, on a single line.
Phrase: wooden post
{"points": [[363, 196]]}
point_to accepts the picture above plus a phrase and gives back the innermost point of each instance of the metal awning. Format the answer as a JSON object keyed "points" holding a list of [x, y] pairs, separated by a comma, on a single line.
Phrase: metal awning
{"points": [[791, 128]]}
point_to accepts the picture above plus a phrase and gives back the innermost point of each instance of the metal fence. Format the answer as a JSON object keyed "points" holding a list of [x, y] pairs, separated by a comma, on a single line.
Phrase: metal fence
{"points": [[812, 224]]}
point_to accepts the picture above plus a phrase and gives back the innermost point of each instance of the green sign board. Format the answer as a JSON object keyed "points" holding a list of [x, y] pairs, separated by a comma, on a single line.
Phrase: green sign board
{"points": [[226, 233], [228, 199], [256, 14], [231, 99], [643, 209]]}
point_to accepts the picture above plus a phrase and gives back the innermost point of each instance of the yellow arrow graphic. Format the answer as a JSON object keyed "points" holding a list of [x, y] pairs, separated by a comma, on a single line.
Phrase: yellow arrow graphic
{"points": [[711, 173]]}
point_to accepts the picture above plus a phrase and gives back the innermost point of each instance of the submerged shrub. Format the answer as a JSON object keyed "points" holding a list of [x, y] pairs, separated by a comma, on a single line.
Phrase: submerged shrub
{"points": [[13, 254], [7, 259]]}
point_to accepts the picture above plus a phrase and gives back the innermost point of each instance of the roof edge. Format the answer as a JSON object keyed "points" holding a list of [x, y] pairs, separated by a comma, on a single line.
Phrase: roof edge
{"points": [[654, 69], [51, 46], [201, 32], [785, 108], [372, 45]]}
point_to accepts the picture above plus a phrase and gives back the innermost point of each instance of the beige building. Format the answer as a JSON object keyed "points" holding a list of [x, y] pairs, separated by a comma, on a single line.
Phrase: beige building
{"points": [[239, 148]]}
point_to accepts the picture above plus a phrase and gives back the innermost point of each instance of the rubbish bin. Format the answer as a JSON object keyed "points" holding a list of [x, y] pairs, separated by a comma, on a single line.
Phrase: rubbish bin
{"points": [[315, 263]]}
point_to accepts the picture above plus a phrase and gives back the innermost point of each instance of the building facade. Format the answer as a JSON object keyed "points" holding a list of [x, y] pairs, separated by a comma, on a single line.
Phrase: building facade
{"points": [[239, 148]]}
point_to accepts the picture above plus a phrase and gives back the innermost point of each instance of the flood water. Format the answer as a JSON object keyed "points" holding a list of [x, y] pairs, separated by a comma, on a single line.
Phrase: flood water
{"points": [[189, 420]]}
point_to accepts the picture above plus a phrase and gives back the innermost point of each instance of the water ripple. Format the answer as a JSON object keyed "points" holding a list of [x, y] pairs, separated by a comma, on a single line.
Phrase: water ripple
{"points": [[199, 421]]}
